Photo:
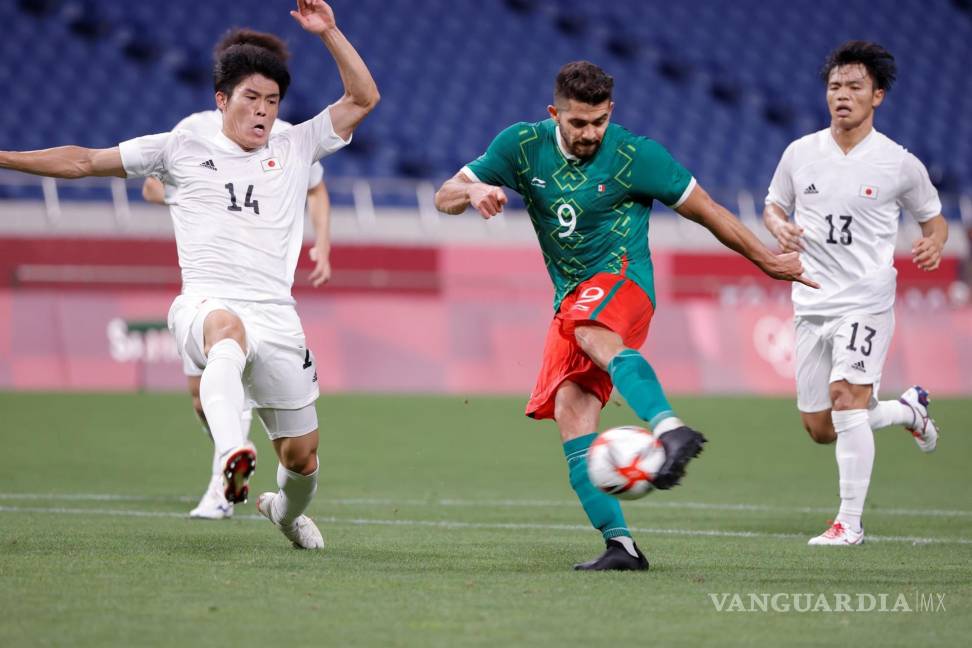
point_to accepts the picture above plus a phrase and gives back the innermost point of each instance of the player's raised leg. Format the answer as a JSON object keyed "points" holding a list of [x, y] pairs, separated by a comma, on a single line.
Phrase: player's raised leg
{"points": [[222, 399], [577, 413], [571, 389], [638, 383], [296, 474], [911, 411]]}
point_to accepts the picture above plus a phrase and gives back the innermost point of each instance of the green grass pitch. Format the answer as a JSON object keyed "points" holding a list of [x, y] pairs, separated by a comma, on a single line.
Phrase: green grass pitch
{"points": [[449, 522]]}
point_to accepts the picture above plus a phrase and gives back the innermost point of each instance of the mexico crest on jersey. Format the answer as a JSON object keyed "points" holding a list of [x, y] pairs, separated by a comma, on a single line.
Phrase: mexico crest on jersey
{"points": [[869, 191], [271, 164]]}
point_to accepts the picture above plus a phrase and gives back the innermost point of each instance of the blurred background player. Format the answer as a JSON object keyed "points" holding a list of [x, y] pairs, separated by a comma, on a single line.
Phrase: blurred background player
{"points": [[239, 225], [213, 504], [589, 186], [846, 186]]}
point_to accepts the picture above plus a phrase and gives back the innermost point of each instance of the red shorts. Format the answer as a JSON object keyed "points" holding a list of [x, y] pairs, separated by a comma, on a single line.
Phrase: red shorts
{"points": [[612, 301]]}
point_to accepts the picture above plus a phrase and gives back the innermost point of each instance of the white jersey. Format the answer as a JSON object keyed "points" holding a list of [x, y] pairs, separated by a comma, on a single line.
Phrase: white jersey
{"points": [[209, 122], [848, 206], [239, 217]]}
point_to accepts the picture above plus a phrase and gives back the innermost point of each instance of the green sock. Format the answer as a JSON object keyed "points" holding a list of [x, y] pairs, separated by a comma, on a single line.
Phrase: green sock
{"points": [[602, 510], [639, 385]]}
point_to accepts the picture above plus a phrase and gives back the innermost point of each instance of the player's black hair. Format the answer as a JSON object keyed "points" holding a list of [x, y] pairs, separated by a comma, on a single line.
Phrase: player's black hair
{"points": [[583, 81], [878, 62], [244, 36], [240, 61]]}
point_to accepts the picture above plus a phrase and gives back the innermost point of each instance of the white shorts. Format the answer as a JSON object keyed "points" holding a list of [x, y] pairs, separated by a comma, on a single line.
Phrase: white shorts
{"points": [[189, 367], [280, 372], [828, 349]]}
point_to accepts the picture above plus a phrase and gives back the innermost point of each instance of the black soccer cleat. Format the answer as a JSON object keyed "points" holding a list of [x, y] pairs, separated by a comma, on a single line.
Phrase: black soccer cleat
{"points": [[681, 444], [615, 558]]}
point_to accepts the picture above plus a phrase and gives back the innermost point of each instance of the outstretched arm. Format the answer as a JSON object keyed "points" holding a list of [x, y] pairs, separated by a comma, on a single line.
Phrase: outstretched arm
{"points": [[319, 210], [700, 207], [66, 162], [360, 92], [459, 192]]}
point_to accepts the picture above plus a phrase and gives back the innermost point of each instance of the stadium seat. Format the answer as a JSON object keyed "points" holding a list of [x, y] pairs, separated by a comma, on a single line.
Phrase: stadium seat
{"points": [[713, 82]]}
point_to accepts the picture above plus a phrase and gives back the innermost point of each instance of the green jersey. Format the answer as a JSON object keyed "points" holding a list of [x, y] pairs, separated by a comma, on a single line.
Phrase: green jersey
{"points": [[590, 215]]}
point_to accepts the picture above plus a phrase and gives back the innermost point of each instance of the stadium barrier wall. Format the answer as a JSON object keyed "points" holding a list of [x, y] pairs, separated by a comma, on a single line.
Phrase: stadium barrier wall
{"points": [[450, 319]]}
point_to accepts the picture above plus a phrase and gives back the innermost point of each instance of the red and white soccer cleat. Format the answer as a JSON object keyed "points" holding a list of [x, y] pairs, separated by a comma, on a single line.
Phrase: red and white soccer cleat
{"points": [[924, 429], [838, 535], [237, 468]]}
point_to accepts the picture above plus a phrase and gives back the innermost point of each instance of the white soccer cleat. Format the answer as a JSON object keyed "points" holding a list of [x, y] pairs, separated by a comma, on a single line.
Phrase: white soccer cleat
{"points": [[838, 535], [924, 429], [213, 505], [237, 468], [303, 533]]}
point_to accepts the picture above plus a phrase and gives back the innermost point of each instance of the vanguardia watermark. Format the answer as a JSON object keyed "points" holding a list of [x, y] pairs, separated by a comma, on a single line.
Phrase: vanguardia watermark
{"points": [[896, 602]]}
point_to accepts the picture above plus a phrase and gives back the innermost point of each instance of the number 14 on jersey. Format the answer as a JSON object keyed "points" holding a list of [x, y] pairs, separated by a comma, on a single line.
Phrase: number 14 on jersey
{"points": [[247, 201]]}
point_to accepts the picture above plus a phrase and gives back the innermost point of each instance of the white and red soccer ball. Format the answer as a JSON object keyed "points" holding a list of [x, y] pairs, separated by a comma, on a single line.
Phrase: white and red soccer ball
{"points": [[623, 461]]}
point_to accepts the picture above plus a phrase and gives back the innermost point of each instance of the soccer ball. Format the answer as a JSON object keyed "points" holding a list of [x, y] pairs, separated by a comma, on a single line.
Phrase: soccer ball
{"points": [[623, 461]]}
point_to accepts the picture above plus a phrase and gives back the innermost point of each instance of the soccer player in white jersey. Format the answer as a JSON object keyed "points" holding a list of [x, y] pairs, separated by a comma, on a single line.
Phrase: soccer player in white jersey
{"points": [[845, 186], [213, 504], [238, 225]]}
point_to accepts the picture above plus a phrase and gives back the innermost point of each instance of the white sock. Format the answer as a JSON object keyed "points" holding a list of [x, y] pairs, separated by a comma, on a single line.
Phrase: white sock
{"points": [[205, 428], [221, 394], [217, 468], [295, 495], [628, 545], [892, 412], [855, 460], [667, 424], [247, 420]]}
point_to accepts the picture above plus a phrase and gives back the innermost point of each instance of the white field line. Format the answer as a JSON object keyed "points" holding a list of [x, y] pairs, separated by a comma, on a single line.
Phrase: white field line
{"points": [[497, 503], [446, 524]]}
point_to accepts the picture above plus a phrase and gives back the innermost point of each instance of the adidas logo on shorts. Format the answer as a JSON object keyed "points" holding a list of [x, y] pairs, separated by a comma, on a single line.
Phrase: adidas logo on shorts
{"points": [[859, 365], [812, 189]]}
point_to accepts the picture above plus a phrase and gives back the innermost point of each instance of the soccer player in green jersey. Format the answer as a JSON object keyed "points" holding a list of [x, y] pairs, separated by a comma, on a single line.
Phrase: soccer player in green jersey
{"points": [[589, 186]]}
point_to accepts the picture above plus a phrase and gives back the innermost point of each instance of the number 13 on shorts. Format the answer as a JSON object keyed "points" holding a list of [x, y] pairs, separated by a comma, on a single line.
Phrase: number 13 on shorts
{"points": [[861, 345]]}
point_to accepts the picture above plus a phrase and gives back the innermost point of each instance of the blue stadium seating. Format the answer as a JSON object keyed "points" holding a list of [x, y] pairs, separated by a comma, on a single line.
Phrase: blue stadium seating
{"points": [[725, 86]]}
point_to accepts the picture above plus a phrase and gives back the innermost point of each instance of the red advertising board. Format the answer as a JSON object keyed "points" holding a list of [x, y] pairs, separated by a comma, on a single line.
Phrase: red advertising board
{"points": [[455, 319]]}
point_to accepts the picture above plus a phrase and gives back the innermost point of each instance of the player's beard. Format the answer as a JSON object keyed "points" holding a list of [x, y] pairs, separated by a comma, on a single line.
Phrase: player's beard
{"points": [[585, 150]]}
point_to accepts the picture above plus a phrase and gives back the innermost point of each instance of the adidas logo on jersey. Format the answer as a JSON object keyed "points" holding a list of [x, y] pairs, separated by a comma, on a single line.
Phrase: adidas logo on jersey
{"points": [[859, 365], [208, 164], [812, 189]]}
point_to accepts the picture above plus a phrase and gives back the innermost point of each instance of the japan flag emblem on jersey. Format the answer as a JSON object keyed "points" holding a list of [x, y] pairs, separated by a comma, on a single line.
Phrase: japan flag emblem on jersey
{"points": [[869, 191], [271, 164]]}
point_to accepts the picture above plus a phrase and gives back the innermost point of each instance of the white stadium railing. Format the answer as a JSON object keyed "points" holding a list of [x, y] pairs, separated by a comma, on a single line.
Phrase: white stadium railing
{"points": [[365, 209]]}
